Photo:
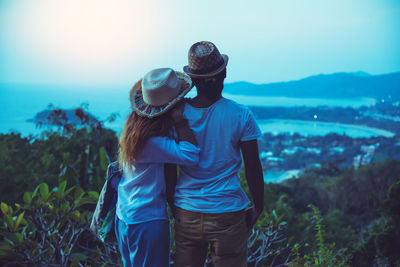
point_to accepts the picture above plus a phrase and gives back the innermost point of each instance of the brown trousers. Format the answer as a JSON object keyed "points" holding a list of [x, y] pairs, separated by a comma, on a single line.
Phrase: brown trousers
{"points": [[225, 233]]}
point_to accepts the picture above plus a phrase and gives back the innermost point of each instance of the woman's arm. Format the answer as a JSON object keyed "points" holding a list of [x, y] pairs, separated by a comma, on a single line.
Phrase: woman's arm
{"points": [[185, 133], [166, 150]]}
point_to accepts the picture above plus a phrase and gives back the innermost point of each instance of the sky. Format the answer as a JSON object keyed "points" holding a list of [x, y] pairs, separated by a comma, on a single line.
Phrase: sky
{"points": [[116, 42]]}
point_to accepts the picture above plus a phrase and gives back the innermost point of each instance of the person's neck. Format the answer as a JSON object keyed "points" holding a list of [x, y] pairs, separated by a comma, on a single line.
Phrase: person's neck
{"points": [[204, 101]]}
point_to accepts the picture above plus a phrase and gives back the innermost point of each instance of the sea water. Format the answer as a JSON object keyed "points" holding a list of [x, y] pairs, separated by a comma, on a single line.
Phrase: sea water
{"points": [[319, 128], [22, 102]]}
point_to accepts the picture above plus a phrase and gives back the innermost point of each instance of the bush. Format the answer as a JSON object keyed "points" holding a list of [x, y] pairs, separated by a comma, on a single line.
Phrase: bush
{"points": [[51, 229], [325, 255]]}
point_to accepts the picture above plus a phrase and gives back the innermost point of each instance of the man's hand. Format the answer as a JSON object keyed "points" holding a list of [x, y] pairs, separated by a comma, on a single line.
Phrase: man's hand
{"points": [[251, 217], [183, 130]]}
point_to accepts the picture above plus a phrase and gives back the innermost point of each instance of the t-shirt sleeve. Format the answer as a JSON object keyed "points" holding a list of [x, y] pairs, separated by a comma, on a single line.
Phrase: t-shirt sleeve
{"points": [[250, 129], [166, 150]]}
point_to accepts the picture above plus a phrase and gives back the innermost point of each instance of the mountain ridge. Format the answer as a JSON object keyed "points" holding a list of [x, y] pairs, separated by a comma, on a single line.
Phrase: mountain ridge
{"points": [[335, 85]]}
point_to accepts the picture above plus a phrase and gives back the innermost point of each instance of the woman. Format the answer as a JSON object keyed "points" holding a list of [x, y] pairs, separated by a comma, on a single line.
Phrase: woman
{"points": [[146, 143]]}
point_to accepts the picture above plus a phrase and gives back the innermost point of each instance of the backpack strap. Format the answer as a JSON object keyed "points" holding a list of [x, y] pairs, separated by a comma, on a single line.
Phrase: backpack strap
{"points": [[113, 170]]}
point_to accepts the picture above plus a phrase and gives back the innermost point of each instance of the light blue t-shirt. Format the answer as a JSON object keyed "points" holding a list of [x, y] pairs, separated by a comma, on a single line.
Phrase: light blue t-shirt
{"points": [[141, 191], [213, 185]]}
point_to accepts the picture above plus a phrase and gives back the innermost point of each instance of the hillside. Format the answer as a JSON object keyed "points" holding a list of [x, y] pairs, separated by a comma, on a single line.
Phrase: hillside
{"points": [[337, 85]]}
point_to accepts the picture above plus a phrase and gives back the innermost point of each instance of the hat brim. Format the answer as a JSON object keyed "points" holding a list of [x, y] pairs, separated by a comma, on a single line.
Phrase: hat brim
{"points": [[206, 75], [150, 111]]}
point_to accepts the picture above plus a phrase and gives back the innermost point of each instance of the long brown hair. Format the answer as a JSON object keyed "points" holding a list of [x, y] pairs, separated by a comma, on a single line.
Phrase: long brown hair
{"points": [[137, 130]]}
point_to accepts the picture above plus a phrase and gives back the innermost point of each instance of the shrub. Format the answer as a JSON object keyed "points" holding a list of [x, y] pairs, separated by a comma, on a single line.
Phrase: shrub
{"points": [[50, 228], [325, 255]]}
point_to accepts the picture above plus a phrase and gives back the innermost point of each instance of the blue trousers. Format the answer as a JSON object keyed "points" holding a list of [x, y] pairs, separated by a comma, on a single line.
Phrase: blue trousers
{"points": [[143, 244]]}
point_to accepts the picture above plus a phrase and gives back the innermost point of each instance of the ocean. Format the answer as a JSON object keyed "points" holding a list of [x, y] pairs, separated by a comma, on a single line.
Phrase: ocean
{"points": [[22, 102]]}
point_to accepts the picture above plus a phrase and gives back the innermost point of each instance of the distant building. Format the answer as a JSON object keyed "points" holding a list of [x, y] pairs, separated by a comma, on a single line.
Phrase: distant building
{"points": [[357, 161], [313, 150], [336, 150], [369, 149], [292, 150], [274, 161], [265, 154], [366, 158]]}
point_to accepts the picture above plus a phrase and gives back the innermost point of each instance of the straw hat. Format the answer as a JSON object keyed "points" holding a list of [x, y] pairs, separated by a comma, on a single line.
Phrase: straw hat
{"points": [[158, 91], [205, 60]]}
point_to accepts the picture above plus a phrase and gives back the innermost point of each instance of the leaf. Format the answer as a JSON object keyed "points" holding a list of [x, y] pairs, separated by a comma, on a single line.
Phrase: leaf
{"points": [[44, 190], [4, 208], [50, 206], [35, 191], [76, 213], [93, 195], [82, 201], [18, 237], [78, 193], [28, 197], [274, 214], [69, 190], [9, 221], [104, 160], [61, 188], [19, 219]]}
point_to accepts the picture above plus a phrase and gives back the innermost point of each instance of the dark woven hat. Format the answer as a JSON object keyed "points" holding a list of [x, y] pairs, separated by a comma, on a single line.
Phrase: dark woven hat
{"points": [[205, 60]]}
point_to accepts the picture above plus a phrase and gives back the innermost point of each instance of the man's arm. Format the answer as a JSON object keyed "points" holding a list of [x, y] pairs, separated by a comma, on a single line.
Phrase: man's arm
{"points": [[171, 177], [255, 180]]}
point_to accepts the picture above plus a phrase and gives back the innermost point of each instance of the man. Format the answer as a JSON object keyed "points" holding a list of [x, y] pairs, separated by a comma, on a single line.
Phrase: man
{"points": [[208, 202]]}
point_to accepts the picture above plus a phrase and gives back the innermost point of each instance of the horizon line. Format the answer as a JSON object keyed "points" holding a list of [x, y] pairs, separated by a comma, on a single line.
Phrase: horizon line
{"points": [[102, 85]]}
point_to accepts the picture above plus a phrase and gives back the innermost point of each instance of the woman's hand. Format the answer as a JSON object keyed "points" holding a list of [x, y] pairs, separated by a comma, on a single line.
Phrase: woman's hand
{"points": [[177, 112], [182, 125]]}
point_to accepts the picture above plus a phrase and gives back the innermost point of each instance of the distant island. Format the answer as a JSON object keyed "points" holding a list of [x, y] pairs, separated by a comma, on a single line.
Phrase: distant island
{"points": [[60, 117]]}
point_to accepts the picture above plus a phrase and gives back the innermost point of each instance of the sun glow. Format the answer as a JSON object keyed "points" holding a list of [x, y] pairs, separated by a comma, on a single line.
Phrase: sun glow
{"points": [[89, 38], [116, 42]]}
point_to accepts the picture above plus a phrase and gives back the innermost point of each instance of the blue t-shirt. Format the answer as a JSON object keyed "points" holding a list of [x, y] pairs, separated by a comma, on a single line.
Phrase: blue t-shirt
{"points": [[141, 191], [213, 185]]}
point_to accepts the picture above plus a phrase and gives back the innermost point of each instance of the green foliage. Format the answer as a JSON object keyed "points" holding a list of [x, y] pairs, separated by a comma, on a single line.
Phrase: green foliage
{"points": [[383, 238], [325, 254], [80, 154], [50, 228], [358, 214], [354, 211]]}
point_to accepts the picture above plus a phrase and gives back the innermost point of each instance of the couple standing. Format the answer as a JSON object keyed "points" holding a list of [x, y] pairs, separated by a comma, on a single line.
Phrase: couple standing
{"points": [[207, 136]]}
